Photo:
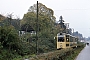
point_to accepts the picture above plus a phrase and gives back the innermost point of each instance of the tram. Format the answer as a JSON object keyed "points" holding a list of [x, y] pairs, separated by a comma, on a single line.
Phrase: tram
{"points": [[66, 41]]}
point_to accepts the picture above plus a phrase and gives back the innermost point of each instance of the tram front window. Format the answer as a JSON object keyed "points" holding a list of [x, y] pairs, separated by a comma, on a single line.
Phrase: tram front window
{"points": [[60, 39]]}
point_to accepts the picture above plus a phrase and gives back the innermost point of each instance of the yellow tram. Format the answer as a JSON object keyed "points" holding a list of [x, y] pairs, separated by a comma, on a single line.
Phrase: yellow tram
{"points": [[66, 41]]}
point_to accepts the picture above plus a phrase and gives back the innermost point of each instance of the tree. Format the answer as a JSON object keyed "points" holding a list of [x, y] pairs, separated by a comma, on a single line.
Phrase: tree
{"points": [[43, 10], [29, 19], [27, 28], [8, 37], [46, 17], [1, 17], [46, 29], [5, 21]]}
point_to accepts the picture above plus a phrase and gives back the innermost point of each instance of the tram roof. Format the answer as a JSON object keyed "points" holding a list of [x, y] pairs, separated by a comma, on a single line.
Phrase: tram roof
{"points": [[61, 33]]}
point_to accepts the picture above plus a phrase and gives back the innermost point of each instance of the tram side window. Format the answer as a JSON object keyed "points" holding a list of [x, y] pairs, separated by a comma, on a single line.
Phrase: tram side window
{"points": [[60, 39]]}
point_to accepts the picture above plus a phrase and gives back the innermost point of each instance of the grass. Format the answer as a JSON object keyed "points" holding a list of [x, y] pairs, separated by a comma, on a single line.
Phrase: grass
{"points": [[75, 54]]}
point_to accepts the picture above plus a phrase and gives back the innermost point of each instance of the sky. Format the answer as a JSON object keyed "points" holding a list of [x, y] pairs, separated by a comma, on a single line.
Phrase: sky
{"points": [[75, 12]]}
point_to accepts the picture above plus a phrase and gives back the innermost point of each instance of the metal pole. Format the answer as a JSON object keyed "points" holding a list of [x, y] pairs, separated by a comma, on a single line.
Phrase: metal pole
{"points": [[37, 31], [73, 31]]}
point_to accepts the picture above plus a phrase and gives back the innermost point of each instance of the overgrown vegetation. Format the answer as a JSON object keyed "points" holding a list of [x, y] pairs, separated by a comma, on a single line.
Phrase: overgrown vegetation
{"points": [[9, 42], [17, 39], [75, 53], [63, 54], [14, 44]]}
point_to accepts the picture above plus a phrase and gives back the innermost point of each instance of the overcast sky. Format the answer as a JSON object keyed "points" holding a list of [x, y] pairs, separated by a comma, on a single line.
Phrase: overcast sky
{"points": [[76, 12]]}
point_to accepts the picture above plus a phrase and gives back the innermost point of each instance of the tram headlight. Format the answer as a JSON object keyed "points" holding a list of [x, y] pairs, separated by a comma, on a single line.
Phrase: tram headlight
{"points": [[67, 39]]}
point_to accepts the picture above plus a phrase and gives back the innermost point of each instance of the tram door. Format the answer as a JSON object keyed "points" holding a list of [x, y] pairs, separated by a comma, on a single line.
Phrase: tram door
{"points": [[67, 41]]}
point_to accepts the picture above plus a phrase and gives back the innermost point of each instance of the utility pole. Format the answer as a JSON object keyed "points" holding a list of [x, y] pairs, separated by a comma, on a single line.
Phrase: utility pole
{"points": [[37, 31]]}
